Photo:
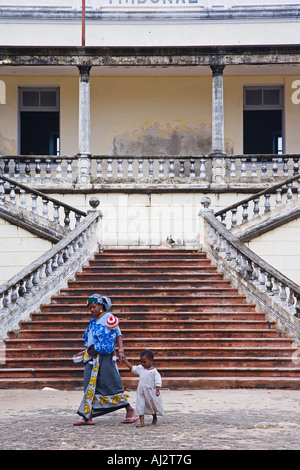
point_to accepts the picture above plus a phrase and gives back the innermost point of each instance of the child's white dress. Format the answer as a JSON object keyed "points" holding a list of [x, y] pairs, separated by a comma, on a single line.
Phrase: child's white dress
{"points": [[147, 403]]}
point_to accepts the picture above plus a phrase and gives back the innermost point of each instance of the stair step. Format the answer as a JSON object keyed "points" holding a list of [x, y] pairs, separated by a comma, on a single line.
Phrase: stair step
{"points": [[164, 364], [176, 383], [42, 327]]}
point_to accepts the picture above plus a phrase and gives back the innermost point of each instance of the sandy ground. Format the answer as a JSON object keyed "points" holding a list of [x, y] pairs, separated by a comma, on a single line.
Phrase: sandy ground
{"points": [[195, 420]]}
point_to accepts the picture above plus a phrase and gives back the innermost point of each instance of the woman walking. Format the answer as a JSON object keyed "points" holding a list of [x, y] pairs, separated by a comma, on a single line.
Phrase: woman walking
{"points": [[103, 389]]}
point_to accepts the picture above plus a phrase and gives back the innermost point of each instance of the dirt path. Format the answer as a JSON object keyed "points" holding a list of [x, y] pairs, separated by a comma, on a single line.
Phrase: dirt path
{"points": [[195, 420]]}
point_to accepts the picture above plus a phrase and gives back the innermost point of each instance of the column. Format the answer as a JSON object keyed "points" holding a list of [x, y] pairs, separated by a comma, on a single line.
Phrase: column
{"points": [[217, 109], [218, 162], [84, 127]]}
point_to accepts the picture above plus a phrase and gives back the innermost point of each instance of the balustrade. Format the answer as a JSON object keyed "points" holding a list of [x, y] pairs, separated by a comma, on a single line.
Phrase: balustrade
{"points": [[281, 194], [32, 284], [227, 169], [37, 203], [249, 267]]}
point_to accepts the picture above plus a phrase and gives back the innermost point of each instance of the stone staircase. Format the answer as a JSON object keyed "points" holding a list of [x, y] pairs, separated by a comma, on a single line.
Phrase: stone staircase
{"points": [[203, 332]]}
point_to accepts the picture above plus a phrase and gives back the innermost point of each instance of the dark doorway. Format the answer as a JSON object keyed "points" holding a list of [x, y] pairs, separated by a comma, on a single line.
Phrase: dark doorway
{"points": [[39, 133], [262, 131]]}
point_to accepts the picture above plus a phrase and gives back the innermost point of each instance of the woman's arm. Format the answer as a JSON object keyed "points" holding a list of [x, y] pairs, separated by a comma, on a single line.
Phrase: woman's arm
{"points": [[121, 348]]}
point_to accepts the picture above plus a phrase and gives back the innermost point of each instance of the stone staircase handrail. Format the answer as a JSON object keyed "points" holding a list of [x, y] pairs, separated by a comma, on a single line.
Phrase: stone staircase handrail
{"points": [[35, 194], [30, 286], [273, 289], [285, 186]]}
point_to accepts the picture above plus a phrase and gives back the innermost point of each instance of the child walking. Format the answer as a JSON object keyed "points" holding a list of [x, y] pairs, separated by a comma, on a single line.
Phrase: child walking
{"points": [[148, 400]]}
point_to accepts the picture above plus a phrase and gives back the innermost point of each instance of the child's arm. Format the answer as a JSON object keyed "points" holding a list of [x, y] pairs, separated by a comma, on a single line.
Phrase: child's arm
{"points": [[129, 365], [157, 391]]}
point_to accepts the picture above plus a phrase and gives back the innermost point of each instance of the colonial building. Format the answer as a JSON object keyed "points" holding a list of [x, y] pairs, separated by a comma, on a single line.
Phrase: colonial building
{"points": [[152, 106]]}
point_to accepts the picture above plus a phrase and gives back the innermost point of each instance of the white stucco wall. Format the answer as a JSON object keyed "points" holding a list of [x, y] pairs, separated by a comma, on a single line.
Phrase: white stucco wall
{"points": [[148, 219]]}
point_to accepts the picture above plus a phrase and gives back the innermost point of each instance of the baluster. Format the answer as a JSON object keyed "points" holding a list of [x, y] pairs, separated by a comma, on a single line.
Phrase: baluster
{"points": [[12, 194], [161, 162], [77, 217], [223, 219], [275, 289], [267, 203], [109, 167], [34, 203], [2, 190], [56, 213], [35, 281], [48, 270], [21, 291], [238, 262], [291, 299], [37, 168], [120, 167], [54, 263], [298, 187], [285, 167], [283, 294], [171, 167], [6, 166], [255, 273], [275, 167], [295, 166], [23, 203], [233, 217], [60, 258], [262, 279], [17, 168], [192, 168], [28, 286], [69, 169], [181, 169], [256, 207], [5, 300], [289, 193], [243, 167], [264, 167], [278, 196], [297, 306], [27, 168], [58, 169], [48, 168], [253, 168], [232, 168], [141, 168], [150, 161], [130, 168], [202, 168], [269, 284], [42, 274], [67, 217], [45, 208], [245, 212]]}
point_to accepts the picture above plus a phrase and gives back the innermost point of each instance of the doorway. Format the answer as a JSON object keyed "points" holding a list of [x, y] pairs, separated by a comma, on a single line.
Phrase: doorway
{"points": [[263, 116], [39, 121]]}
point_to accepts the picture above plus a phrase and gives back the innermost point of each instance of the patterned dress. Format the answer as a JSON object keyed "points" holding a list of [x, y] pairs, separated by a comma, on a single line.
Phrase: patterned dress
{"points": [[146, 400]]}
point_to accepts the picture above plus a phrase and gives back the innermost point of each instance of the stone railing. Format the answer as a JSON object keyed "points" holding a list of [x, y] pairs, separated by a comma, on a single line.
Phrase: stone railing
{"points": [[35, 284], [275, 292], [84, 171], [284, 196], [36, 211]]}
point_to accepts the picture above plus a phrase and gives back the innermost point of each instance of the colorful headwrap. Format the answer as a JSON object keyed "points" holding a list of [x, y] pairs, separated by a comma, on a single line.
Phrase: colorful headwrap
{"points": [[99, 299]]}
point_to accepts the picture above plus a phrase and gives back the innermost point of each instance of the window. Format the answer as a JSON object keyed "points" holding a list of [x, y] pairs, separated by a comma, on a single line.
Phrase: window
{"points": [[263, 120], [39, 120]]}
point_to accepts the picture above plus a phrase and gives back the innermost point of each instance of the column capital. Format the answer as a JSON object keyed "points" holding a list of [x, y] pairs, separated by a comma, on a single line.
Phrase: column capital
{"points": [[84, 72], [217, 69]]}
